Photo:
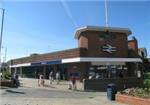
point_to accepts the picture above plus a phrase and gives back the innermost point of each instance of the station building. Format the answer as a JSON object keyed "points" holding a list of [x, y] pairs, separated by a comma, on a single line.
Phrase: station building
{"points": [[105, 51]]}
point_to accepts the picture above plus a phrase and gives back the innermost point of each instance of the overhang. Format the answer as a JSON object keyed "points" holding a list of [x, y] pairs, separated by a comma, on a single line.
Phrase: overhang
{"points": [[51, 62], [94, 60], [78, 31], [21, 65], [100, 59]]}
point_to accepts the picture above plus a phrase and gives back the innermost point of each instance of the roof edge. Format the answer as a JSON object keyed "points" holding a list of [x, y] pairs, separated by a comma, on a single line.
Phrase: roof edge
{"points": [[101, 28]]}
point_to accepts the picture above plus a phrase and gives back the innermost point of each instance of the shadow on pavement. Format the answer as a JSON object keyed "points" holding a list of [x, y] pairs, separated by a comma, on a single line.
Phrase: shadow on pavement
{"points": [[1, 87], [4, 87], [62, 83], [15, 92], [49, 86]]}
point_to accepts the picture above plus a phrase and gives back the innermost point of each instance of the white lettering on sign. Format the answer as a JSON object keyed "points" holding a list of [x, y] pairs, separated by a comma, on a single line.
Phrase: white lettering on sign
{"points": [[108, 48]]}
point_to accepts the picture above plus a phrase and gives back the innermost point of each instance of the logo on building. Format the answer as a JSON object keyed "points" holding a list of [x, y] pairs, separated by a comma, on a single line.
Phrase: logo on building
{"points": [[108, 48]]}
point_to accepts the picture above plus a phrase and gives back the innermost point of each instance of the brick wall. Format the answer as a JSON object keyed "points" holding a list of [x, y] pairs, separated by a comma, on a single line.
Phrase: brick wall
{"points": [[82, 68], [133, 48], [132, 44], [77, 52], [101, 84], [91, 41]]}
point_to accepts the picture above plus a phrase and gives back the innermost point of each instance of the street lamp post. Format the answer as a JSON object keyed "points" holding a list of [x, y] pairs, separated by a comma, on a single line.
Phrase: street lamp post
{"points": [[106, 14], [5, 60], [5, 54], [1, 34]]}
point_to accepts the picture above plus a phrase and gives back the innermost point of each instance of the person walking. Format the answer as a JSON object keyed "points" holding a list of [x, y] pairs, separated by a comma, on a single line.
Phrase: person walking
{"points": [[51, 77], [70, 83], [57, 77], [73, 80], [41, 80], [15, 80]]}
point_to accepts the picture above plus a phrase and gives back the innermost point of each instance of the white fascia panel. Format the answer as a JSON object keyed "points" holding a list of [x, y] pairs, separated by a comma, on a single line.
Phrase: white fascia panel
{"points": [[110, 59], [69, 60], [92, 59], [21, 65], [108, 63]]}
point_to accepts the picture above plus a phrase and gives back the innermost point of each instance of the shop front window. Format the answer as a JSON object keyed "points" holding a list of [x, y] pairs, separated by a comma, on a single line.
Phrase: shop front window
{"points": [[75, 73], [107, 71]]}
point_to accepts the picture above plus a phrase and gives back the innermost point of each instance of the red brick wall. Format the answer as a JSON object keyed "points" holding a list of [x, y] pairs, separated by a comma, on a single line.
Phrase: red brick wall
{"points": [[132, 100], [89, 45], [77, 52], [94, 44], [79, 67], [132, 44], [83, 42]]}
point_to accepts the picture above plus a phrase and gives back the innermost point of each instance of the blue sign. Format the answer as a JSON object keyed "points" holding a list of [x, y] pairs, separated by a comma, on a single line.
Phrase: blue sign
{"points": [[53, 62], [46, 63]]}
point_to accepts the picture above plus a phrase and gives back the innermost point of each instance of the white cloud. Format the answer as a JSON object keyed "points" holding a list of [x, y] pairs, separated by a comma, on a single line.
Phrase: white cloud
{"points": [[67, 10]]}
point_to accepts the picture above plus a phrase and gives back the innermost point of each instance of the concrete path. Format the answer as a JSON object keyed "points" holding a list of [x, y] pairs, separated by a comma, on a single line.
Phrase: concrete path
{"points": [[30, 94], [63, 85]]}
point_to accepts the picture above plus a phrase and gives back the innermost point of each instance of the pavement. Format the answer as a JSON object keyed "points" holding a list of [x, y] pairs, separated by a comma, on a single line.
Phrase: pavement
{"points": [[30, 94]]}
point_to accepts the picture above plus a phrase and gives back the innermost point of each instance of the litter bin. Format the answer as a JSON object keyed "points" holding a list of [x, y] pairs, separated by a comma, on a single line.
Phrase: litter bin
{"points": [[111, 91]]}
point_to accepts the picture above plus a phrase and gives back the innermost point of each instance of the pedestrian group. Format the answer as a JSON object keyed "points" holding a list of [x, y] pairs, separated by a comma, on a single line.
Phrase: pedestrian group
{"points": [[71, 84]]}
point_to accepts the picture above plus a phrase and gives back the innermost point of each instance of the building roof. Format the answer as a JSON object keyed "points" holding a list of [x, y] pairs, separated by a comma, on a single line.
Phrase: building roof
{"points": [[101, 28]]}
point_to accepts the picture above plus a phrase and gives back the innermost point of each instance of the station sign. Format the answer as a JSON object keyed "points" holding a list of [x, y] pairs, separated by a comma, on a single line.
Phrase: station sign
{"points": [[51, 62]]}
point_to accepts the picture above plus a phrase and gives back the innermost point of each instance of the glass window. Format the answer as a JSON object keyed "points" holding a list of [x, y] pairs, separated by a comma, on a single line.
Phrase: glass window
{"points": [[75, 73], [107, 71]]}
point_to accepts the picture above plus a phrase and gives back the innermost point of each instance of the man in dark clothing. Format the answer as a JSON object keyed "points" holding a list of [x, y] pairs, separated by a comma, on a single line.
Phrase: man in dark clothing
{"points": [[15, 80], [73, 80]]}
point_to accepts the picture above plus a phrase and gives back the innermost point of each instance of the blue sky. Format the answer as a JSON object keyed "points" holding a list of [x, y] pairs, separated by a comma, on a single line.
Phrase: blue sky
{"points": [[45, 26]]}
